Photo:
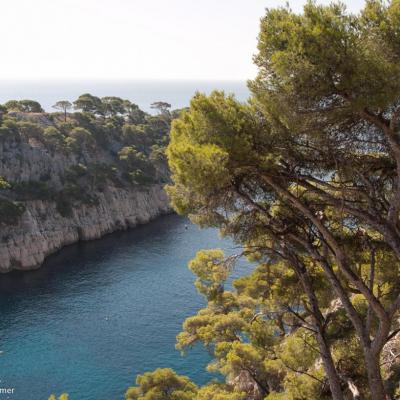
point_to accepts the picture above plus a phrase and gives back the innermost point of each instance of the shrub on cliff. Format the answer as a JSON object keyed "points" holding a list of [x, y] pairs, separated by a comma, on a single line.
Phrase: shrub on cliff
{"points": [[137, 168], [84, 120], [53, 139], [9, 131], [4, 184], [131, 157], [10, 212], [33, 190], [80, 140], [92, 176], [64, 205], [136, 135], [30, 130]]}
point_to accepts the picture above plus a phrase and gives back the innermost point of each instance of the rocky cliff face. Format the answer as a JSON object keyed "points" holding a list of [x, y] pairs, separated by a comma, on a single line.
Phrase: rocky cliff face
{"points": [[42, 230], [60, 206]]}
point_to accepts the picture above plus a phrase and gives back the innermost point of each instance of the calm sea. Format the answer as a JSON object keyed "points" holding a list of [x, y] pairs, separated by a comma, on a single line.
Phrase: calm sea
{"points": [[99, 313], [143, 93]]}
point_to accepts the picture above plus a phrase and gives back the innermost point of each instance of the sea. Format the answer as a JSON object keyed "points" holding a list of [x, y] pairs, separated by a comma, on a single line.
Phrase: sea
{"points": [[141, 92], [98, 313]]}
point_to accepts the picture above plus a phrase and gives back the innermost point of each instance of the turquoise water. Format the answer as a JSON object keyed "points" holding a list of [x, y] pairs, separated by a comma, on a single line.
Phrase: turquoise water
{"points": [[143, 93], [99, 313]]}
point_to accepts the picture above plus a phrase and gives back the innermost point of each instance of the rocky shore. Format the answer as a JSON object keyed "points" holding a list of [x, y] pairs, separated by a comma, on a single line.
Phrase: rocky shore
{"points": [[42, 230]]}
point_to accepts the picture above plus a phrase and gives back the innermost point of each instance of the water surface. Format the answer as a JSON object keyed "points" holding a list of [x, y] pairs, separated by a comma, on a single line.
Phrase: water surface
{"points": [[99, 313]]}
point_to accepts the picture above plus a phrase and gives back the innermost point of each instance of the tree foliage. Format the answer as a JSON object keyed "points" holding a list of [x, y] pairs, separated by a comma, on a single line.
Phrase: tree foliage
{"points": [[162, 384], [80, 139], [306, 177], [64, 106], [161, 106], [89, 103], [28, 106]]}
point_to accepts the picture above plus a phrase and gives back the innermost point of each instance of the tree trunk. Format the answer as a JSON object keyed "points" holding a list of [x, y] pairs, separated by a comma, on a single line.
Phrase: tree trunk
{"points": [[374, 376], [371, 357], [330, 369], [319, 320]]}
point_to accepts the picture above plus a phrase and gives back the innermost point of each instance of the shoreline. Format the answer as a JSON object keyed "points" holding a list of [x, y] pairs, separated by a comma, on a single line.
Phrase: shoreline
{"points": [[43, 232]]}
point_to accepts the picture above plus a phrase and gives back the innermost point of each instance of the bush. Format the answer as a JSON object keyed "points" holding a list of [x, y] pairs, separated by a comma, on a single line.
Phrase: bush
{"points": [[9, 130], [53, 138], [101, 173], [135, 135], [10, 212], [138, 177], [73, 173], [33, 190], [4, 184], [31, 130], [75, 192], [65, 127], [63, 206], [80, 139]]}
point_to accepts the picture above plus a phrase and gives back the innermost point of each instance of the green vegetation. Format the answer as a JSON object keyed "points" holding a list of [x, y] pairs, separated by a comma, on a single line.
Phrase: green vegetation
{"points": [[162, 383], [109, 141], [64, 106], [80, 139], [32, 190], [28, 106], [64, 396], [53, 139], [29, 130], [10, 211], [4, 184], [306, 178]]}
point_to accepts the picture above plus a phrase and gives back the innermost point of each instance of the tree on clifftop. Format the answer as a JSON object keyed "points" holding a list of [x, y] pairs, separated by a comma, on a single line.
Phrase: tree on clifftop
{"points": [[89, 103], [161, 106], [29, 106], [64, 106]]}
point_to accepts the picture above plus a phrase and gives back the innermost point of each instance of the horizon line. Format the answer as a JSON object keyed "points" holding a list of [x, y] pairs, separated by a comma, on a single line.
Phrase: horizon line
{"points": [[52, 79]]}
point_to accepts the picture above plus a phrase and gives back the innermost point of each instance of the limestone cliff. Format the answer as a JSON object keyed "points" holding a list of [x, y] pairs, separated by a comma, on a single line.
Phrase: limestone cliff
{"points": [[42, 230], [79, 179]]}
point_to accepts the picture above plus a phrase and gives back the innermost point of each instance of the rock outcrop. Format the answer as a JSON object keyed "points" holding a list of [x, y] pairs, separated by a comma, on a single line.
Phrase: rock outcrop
{"points": [[42, 230], [62, 194]]}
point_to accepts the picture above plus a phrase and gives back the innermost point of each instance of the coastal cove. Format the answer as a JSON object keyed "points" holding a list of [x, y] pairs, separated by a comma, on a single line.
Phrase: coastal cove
{"points": [[200, 200], [98, 313]]}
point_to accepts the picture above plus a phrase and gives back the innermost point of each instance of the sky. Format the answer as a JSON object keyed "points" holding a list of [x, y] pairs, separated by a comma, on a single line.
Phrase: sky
{"points": [[132, 39]]}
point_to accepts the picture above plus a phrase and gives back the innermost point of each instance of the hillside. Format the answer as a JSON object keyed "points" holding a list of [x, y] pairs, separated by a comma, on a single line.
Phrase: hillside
{"points": [[70, 176]]}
